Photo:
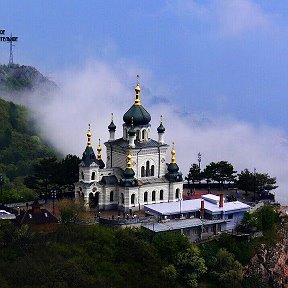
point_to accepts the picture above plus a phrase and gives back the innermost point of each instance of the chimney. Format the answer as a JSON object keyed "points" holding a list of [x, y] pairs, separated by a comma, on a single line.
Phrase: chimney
{"points": [[202, 209], [36, 207], [221, 203]]}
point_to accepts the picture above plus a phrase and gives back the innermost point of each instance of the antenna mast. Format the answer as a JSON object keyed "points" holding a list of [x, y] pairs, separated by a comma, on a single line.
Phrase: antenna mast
{"points": [[11, 62]]}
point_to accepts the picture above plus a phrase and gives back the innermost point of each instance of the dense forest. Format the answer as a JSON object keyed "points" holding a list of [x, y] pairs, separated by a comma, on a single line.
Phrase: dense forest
{"points": [[98, 256], [20, 149]]}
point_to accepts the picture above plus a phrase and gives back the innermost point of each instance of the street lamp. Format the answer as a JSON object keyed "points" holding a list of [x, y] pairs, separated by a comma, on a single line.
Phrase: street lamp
{"points": [[199, 159], [54, 196]]}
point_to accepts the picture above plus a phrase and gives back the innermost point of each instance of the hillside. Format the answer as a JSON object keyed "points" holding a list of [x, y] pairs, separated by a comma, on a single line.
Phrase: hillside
{"points": [[16, 78], [20, 147]]}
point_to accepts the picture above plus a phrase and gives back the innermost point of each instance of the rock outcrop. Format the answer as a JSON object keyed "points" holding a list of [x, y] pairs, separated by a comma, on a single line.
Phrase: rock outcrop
{"points": [[271, 263]]}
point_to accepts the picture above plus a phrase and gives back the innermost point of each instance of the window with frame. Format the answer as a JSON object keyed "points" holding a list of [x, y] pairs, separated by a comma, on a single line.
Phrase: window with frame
{"points": [[147, 168], [133, 199], [177, 193], [142, 171], [161, 194], [122, 198], [153, 195], [152, 170], [146, 196]]}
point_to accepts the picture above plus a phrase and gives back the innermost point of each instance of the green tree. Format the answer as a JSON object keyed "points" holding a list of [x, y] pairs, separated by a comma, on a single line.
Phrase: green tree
{"points": [[190, 266], [268, 217], [194, 175], [246, 181], [170, 244], [249, 181], [209, 173], [221, 172], [43, 177], [227, 271], [67, 172]]}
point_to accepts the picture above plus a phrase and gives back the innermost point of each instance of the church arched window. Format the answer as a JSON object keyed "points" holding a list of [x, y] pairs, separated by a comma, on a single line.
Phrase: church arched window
{"points": [[122, 198], [143, 134], [153, 195], [82, 175], [133, 199], [177, 193], [161, 194], [146, 196], [147, 168], [152, 170], [93, 176], [137, 135], [142, 171], [111, 196]]}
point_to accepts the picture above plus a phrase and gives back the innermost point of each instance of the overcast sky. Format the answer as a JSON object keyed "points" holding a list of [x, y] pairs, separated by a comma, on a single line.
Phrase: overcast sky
{"points": [[216, 69]]}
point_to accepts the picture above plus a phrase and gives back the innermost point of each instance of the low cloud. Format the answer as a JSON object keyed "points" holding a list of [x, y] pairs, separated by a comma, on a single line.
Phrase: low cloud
{"points": [[89, 95]]}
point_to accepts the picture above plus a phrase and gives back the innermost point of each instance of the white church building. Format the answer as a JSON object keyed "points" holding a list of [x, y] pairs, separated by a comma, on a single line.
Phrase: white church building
{"points": [[136, 172]]}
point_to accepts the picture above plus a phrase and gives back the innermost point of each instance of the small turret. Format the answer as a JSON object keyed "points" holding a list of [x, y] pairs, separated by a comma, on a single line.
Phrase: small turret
{"points": [[88, 155], [112, 128], [128, 174], [99, 156], [161, 130], [173, 174]]}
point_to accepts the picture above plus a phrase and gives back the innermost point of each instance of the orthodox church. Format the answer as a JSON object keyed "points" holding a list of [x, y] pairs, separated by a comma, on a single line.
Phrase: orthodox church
{"points": [[136, 171]]}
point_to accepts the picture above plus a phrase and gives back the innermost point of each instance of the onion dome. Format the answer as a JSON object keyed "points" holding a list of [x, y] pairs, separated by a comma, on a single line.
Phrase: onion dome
{"points": [[173, 174], [161, 128], [128, 174], [137, 111], [112, 126], [132, 131]]}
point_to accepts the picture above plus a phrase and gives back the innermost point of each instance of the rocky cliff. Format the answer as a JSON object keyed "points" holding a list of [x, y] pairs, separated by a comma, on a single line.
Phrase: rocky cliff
{"points": [[271, 263]]}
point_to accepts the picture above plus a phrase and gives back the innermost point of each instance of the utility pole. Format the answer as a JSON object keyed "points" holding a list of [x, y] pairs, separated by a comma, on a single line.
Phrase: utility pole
{"points": [[254, 182], [1, 184], [199, 159]]}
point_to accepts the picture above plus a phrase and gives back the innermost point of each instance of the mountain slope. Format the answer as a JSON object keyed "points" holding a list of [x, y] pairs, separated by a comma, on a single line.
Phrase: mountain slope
{"points": [[23, 78]]}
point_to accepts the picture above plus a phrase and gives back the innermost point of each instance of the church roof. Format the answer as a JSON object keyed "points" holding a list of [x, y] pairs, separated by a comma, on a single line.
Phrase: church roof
{"points": [[109, 180], [89, 157], [124, 143], [43, 216]]}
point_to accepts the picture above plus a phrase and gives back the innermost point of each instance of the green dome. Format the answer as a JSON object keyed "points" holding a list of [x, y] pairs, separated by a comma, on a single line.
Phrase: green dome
{"points": [[161, 128], [139, 114], [112, 126], [129, 173], [173, 168]]}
